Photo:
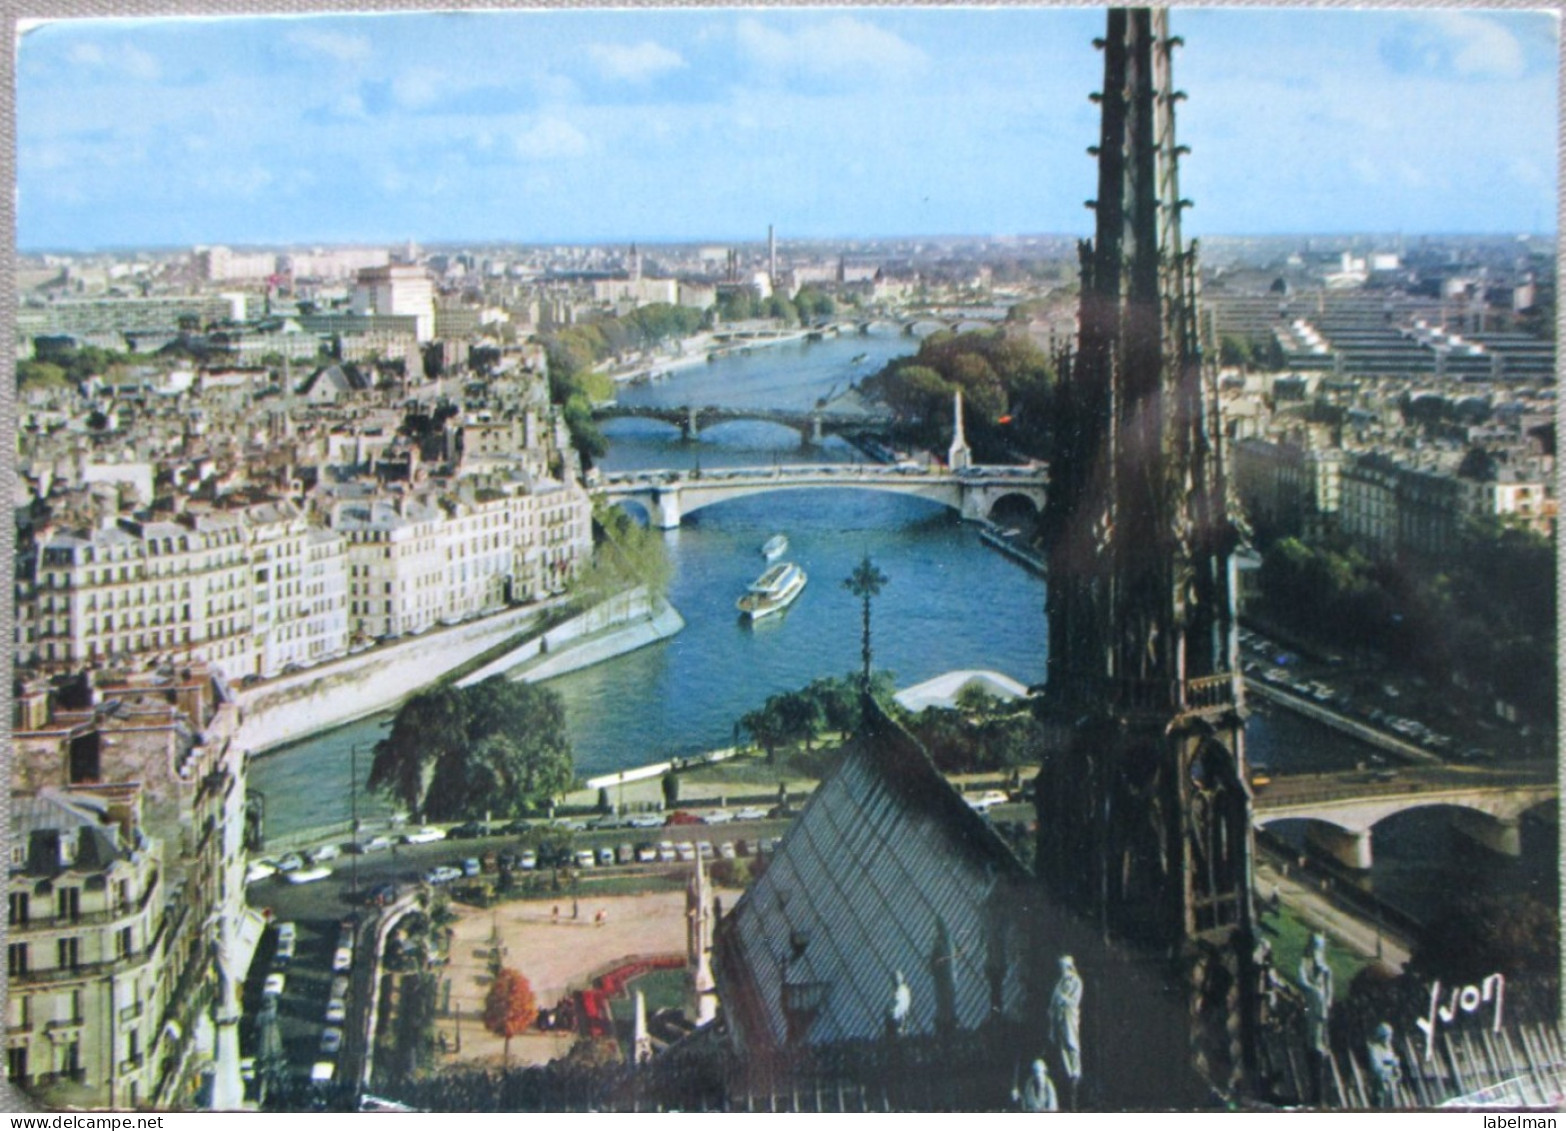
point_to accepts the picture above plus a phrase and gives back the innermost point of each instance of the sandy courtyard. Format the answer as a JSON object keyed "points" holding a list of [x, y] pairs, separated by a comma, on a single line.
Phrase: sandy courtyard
{"points": [[554, 956]]}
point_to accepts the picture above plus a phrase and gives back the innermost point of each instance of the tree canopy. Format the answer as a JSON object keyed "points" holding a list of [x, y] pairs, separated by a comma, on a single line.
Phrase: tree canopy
{"points": [[509, 1006], [1007, 383], [496, 748]]}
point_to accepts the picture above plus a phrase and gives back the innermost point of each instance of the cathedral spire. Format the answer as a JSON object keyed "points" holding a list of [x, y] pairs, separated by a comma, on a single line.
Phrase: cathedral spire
{"points": [[1144, 809]]}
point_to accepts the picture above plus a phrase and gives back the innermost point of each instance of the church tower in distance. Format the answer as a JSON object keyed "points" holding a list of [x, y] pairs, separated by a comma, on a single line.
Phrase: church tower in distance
{"points": [[1143, 801]]}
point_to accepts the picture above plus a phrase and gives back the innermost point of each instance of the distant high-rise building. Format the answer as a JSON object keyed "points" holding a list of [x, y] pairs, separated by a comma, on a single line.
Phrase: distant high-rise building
{"points": [[400, 289]]}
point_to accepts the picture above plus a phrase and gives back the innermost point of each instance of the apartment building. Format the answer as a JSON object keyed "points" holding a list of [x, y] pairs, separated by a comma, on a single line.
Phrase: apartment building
{"points": [[127, 867], [88, 982]]}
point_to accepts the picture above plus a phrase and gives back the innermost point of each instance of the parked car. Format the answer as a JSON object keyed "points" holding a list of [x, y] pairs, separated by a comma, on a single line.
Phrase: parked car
{"points": [[287, 930], [686, 851], [717, 816], [625, 854], [274, 985], [426, 835], [645, 821], [585, 858], [666, 852], [291, 862], [750, 813], [646, 854], [704, 847], [331, 1040], [259, 870], [374, 844], [443, 874], [336, 1011], [726, 851], [471, 866], [342, 960], [468, 831], [309, 875], [285, 952], [605, 856], [324, 853], [528, 860]]}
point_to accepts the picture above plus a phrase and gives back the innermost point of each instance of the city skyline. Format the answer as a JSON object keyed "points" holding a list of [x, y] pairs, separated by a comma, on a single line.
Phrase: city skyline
{"points": [[706, 124]]}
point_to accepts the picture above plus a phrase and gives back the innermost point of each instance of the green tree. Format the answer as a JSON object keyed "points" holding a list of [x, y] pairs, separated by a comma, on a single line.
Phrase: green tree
{"points": [[499, 747], [40, 375], [426, 728], [800, 715], [767, 728], [1234, 350]]}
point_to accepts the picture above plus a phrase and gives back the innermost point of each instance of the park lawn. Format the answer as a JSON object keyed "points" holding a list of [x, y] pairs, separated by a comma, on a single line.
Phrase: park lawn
{"points": [[663, 989], [1290, 938], [639, 884]]}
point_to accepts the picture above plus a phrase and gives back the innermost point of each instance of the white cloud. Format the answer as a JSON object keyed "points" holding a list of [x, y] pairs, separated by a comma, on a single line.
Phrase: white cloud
{"points": [[418, 87], [127, 60], [550, 138], [338, 46], [1480, 46], [1467, 44], [842, 47], [638, 63], [86, 54]]}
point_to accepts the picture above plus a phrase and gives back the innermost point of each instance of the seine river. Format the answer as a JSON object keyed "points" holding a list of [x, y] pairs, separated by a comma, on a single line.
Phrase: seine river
{"points": [[950, 602]]}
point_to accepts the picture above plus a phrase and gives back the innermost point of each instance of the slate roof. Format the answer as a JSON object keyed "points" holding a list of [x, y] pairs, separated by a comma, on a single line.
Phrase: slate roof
{"points": [[886, 870]]}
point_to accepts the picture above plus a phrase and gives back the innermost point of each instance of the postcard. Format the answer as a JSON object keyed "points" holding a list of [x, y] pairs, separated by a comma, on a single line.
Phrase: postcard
{"points": [[785, 559]]}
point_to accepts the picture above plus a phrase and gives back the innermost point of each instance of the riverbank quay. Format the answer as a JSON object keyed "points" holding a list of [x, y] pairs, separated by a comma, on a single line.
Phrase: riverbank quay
{"points": [[697, 350], [622, 624], [304, 704], [1341, 723], [1011, 545]]}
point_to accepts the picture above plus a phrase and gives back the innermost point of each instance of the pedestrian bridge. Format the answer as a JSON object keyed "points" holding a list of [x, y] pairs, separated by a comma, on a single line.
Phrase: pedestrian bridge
{"points": [[668, 496], [1344, 808]]}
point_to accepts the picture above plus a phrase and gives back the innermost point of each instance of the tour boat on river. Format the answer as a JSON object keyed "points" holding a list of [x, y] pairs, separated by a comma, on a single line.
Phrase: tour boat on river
{"points": [[773, 591], [775, 547]]}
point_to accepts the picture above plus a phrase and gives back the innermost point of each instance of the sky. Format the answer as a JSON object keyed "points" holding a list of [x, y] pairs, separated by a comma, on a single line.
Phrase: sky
{"points": [[711, 123]]}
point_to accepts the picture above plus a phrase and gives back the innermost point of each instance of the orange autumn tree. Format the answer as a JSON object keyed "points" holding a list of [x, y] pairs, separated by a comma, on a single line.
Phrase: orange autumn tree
{"points": [[509, 1007]]}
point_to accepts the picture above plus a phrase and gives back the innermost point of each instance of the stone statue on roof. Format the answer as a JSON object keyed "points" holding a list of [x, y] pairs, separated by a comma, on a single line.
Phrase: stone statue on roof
{"points": [[1385, 1068], [1037, 1092], [1316, 984], [1065, 1020], [902, 1002]]}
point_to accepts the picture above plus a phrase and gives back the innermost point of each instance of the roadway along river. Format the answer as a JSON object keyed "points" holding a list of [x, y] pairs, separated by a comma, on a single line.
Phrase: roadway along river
{"points": [[951, 602]]}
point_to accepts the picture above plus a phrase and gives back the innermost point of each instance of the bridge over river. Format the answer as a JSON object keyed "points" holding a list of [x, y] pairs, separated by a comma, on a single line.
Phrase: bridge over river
{"points": [[668, 496], [1342, 808], [845, 413]]}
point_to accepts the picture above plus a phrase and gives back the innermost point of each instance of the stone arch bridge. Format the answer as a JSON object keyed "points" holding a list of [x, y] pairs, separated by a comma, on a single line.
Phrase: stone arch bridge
{"points": [[1343, 808], [668, 496], [811, 424]]}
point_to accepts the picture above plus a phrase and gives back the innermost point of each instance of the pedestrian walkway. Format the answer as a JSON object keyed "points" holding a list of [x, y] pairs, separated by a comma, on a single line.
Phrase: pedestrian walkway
{"points": [[1305, 898]]}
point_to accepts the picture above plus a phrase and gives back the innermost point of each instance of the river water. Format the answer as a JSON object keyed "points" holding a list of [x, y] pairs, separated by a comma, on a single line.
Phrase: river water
{"points": [[950, 602]]}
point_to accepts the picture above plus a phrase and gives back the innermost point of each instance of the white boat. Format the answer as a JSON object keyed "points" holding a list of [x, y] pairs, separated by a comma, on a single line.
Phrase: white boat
{"points": [[775, 547], [773, 591]]}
